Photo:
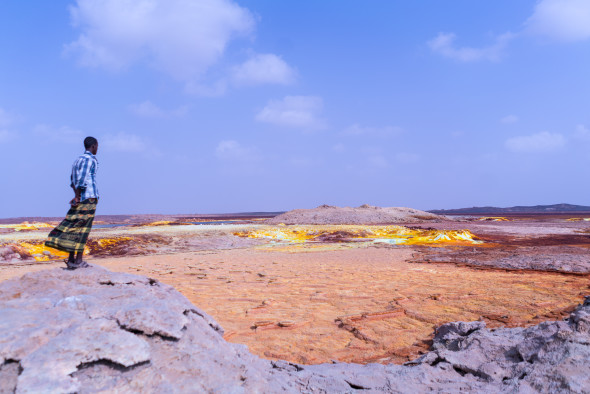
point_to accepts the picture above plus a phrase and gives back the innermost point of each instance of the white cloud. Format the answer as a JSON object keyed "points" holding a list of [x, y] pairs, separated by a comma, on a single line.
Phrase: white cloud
{"points": [[339, 147], [181, 38], [301, 112], [262, 69], [147, 109], [63, 134], [5, 118], [540, 142], [582, 133], [509, 119], [444, 44], [233, 150], [407, 158], [377, 161], [357, 129], [6, 135], [126, 143], [302, 162], [214, 89], [561, 20]]}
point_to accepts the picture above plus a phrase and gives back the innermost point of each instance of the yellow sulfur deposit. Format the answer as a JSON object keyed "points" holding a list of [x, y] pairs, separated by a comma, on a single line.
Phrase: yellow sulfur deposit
{"points": [[160, 223], [40, 253], [109, 242], [27, 226], [494, 219], [397, 235]]}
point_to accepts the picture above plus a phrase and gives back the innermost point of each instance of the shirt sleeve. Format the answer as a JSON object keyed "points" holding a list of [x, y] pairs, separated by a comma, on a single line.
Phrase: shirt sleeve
{"points": [[83, 173]]}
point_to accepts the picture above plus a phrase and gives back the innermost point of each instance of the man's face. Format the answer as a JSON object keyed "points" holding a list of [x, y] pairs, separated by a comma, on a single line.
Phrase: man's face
{"points": [[94, 149]]}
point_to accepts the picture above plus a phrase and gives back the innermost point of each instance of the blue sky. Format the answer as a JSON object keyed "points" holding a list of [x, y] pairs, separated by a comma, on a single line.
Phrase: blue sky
{"points": [[205, 106]]}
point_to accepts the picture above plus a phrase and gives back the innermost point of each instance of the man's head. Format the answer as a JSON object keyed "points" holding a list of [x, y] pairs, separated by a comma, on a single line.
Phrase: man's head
{"points": [[91, 144]]}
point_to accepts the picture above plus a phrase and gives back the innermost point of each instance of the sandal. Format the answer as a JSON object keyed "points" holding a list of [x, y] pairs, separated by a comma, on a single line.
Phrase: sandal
{"points": [[69, 263], [74, 265]]}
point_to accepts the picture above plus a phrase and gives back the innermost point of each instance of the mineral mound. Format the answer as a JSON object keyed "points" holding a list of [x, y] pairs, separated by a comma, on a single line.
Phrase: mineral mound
{"points": [[365, 214], [94, 330]]}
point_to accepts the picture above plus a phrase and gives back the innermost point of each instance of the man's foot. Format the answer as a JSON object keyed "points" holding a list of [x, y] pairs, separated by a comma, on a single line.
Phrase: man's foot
{"points": [[72, 265]]}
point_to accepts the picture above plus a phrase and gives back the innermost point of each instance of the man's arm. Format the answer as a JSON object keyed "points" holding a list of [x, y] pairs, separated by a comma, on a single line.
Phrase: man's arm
{"points": [[77, 193], [82, 173]]}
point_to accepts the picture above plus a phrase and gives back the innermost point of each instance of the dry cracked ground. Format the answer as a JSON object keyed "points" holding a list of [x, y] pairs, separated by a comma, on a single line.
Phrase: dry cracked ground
{"points": [[342, 297]]}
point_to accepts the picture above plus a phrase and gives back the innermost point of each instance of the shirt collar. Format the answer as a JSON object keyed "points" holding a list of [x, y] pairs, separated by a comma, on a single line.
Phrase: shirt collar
{"points": [[91, 155]]}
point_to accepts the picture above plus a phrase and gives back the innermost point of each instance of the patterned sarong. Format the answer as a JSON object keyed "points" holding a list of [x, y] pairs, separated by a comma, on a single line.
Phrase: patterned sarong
{"points": [[72, 233]]}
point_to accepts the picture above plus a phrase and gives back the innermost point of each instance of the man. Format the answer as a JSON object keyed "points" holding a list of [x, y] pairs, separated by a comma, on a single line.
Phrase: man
{"points": [[72, 233]]}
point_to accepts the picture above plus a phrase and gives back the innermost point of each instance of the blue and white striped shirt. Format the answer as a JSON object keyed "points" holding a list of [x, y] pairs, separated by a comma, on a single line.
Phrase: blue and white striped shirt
{"points": [[84, 176]]}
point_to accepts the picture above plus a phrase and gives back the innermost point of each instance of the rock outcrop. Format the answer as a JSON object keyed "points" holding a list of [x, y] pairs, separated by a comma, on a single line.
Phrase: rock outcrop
{"points": [[93, 330], [365, 214]]}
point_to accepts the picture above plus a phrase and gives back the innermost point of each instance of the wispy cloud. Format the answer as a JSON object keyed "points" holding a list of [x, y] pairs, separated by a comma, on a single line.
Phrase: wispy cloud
{"points": [[536, 143], [6, 135], [263, 69], [582, 133], [386, 131], [407, 158], [444, 44], [64, 134], [378, 161], [339, 147], [302, 112], [5, 118], [127, 143], [147, 109], [509, 119], [561, 20], [233, 150]]}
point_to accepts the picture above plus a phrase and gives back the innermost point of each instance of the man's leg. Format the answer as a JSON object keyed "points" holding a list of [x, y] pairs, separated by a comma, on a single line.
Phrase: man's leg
{"points": [[71, 257], [79, 257], [78, 262]]}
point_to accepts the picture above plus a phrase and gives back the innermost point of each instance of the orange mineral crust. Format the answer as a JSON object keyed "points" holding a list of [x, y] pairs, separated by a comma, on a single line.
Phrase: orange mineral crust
{"points": [[354, 305]]}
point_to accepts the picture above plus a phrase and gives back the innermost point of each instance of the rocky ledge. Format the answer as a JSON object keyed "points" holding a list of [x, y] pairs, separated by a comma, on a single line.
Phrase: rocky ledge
{"points": [[93, 330]]}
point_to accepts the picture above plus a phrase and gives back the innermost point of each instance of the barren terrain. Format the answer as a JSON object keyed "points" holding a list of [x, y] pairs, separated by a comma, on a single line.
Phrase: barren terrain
{"points": [[312, 294]]}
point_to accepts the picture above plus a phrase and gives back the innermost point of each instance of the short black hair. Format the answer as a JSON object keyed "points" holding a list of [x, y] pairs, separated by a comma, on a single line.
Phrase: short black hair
{"points": [[89, 141]]}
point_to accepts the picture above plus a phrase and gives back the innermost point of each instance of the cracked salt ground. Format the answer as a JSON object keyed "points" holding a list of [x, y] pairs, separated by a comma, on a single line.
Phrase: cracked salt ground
{"points": [[365, 286]]}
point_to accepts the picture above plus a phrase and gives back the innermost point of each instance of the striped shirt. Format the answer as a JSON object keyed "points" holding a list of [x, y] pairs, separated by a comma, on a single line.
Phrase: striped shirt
{"points": [[84, 176]]}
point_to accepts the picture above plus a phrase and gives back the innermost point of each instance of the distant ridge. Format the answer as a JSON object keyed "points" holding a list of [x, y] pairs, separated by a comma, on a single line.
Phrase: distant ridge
{"points": [[142, 218], [547, 209]]}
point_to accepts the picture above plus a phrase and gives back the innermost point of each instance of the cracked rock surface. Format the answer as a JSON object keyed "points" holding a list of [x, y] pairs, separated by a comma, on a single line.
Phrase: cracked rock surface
{"points": [[92, 330]]}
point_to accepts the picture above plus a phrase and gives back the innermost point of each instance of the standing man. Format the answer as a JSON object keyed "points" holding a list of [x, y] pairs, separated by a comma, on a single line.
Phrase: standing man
{"points": [[72, 233]]}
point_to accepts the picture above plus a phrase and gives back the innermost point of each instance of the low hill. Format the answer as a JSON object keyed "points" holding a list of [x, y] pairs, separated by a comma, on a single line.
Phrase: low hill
{"points": [[365, 214]]}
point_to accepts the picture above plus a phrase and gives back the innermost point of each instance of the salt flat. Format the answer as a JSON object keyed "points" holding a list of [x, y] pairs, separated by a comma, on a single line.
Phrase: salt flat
{"points": [[348, 299]]}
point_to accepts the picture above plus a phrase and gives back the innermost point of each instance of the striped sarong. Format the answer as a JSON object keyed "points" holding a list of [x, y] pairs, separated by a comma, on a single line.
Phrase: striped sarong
{"points": [[72, 233]]}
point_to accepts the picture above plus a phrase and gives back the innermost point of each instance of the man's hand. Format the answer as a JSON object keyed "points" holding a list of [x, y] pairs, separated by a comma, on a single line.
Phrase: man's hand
{"points": [[75, 201]]}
